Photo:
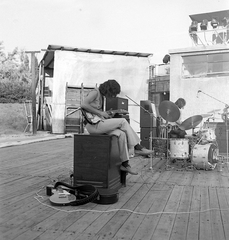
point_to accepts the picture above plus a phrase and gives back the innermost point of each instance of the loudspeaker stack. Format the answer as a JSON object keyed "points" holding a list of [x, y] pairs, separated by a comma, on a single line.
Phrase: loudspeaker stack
{"points": [[145, 120]]}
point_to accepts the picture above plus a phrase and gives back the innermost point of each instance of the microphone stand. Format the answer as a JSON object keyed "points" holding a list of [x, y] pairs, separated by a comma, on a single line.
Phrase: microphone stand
{"points": [[226, 118], [226, 125], [151, 133]]}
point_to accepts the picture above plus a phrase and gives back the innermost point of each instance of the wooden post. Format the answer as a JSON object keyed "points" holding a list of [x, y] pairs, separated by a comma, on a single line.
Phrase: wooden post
{"points": [[33, 68]]}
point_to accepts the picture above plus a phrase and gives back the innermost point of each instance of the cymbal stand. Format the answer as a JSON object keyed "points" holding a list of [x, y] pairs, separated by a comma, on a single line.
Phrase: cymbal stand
{"points": [[226, 125], [151, 141], [151, 131], [167, 144], [226, 118]]}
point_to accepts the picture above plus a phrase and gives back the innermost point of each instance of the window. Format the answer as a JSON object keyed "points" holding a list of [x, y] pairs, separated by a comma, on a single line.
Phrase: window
{"points": [[209, 65]]}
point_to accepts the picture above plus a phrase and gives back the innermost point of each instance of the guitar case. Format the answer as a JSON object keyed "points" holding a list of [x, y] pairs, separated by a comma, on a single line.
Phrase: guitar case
{"points": [[75, 196]]}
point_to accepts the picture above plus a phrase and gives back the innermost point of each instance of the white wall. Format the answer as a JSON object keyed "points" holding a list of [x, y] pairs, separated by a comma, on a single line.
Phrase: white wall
{"points": [[91, 69], [214, 90]]}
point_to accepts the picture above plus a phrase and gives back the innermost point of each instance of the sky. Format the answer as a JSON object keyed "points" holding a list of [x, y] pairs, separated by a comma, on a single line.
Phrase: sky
{"points": [[148, 26]]}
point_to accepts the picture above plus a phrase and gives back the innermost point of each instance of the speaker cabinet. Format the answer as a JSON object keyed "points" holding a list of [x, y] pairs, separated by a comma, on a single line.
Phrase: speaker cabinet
{"points": [[221, 135], [145, 117], [145, 135], [116, 103], [97, 161]]}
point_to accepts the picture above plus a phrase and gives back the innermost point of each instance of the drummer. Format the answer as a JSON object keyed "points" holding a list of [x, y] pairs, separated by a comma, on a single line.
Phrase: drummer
{"points": [[176, 131]]}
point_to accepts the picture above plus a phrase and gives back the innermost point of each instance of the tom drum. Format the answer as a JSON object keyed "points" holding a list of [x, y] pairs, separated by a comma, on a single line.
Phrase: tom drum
{"points": [[208, 134], [179, 148], [205, 156]]}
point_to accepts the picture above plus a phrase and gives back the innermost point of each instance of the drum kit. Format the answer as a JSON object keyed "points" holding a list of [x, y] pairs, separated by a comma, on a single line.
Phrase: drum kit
{"points": [[199, 150]]}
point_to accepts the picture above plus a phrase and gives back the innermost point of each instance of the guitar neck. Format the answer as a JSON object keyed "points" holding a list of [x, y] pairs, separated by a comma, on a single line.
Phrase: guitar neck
{"points": [[117, 111]]}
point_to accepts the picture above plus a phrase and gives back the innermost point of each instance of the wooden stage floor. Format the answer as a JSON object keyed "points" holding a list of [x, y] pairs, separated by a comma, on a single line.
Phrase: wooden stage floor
{"points": [[157, 204]]}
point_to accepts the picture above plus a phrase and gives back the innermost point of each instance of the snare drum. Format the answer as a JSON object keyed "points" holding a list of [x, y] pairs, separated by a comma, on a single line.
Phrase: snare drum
{"points": [[179, 148], [205, 156], [208, 135]]}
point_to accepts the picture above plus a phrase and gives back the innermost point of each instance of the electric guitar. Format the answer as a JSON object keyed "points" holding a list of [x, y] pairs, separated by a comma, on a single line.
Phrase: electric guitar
{"points": [[65, 194], [94, 118]]}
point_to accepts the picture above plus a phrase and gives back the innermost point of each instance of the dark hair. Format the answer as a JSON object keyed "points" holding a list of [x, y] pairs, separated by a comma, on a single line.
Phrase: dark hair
{"points": [[110, 88], [180, 102]]}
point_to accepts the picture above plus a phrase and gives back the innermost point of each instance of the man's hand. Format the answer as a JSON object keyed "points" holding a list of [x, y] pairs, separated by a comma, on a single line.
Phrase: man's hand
{"points": [[105, 115]]}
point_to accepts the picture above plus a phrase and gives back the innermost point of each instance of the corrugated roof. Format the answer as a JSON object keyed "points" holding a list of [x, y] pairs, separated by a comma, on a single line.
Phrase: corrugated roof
{"points": [[49, 54]]}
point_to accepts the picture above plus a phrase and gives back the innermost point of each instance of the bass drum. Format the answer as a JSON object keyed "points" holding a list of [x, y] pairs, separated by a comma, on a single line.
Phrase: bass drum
{"points": [[205, 156], [179, 148]]}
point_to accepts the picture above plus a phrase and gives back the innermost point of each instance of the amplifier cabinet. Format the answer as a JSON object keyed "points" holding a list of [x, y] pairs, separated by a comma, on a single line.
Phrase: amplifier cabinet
{"points": [[221, 134], [145, 117], [116, 103], [97, 161], [145, 135]]}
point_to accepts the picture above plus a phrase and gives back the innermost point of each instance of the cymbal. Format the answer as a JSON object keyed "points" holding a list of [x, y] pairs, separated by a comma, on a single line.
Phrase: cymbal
{"points": [[205, 115], [191, 122], [214, 110], [169, 111]]}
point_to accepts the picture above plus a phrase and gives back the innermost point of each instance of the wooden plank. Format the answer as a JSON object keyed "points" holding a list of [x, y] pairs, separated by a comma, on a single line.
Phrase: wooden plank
{"points": [[29, 235], [105, 217], [32, 160], [119, 218], [146, 175], [205, 217], [13, 210], [198, 178], [29, 217], [12, 233], [213, 179], [176, 177], [164, 178], [150, 221], [18, 186], [224, 176], [179, 230], [132, 224], [89, 217], [10, 155], [216, 218], [194, 216], [165, 224], [224, 206]]}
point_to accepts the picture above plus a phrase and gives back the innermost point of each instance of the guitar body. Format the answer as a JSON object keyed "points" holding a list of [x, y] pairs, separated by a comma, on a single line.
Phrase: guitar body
{"points": [[74, 196], [62, 199], [94, 119]]}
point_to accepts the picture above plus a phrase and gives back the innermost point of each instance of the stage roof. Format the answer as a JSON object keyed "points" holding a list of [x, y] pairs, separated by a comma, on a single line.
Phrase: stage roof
{"points": [[48, 57], [217, 15]]}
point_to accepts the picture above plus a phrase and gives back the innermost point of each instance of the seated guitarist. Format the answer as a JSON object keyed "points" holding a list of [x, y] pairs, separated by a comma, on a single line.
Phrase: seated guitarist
{"points": [[128, 140], [176, 131]]}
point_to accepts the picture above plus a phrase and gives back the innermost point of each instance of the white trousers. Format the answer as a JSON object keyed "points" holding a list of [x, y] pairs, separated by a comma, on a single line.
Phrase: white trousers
{"points": [[127, 137]]}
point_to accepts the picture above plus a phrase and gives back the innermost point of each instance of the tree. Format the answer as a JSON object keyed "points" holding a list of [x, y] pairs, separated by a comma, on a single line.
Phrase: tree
{"points": [[15, 76]]}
